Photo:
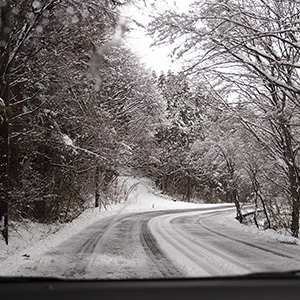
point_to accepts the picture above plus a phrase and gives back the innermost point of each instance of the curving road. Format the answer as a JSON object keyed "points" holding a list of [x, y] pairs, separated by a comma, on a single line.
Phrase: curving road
{"points": [[202, 246], [166, 244]]}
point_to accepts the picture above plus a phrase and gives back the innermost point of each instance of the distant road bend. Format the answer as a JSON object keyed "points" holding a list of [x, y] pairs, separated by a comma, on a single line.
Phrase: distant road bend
{"points": [[168, 244]]}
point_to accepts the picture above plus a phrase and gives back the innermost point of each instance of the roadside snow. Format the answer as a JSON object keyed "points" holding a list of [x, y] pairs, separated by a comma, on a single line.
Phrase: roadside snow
{"points": [[29, 241], [283, 237], [28, 238]]}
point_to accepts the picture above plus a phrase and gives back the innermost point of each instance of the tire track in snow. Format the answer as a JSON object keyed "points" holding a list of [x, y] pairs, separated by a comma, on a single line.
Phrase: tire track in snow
{"points": [[204, 249], [124, 239], [164, 265], [220, 261], [272, 251], [192, 256], [124, 246]]}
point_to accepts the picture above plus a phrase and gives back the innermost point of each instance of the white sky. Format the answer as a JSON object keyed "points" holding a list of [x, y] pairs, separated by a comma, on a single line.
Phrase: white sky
{"points": [[157, 58]]}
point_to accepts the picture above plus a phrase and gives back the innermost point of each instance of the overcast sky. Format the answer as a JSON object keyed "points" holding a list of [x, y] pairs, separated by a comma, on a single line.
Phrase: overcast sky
{"points": [[155, 57]]}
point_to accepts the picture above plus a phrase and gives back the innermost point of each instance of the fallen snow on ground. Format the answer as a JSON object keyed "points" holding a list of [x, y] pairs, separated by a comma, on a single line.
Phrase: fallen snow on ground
{"points": [[283, 237], [28, 240], [31, 239]]}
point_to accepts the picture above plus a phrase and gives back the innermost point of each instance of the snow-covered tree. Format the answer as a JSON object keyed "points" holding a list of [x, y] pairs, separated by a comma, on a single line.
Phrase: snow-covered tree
{"points": [[128, 95], [175, 136], [252, 49], [48, 102]]}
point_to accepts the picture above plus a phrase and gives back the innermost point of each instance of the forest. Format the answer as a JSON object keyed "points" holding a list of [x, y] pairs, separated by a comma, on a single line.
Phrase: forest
{"points": [[78, 108]]}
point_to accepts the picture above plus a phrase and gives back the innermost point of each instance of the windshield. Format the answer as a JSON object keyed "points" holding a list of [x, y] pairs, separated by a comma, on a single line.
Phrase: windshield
{"points": [[149, 139]]}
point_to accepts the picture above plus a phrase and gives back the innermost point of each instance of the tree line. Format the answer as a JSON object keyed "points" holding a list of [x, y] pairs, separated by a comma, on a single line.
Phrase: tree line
{"points": [[247, 54]]}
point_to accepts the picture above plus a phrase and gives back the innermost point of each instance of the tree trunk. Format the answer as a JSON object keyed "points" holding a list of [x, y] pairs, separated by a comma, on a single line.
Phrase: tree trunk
{"points": [[293, 176], [4, 126], [295, 219], [255, 211], [265, 210], [295, 201], [97, 186], [4, 218], [239, 215], [188, 191], [163, 184]]}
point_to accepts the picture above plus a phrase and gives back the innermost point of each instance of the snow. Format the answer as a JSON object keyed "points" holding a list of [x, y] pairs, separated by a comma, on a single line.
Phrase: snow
{"points": [[283, 236], [34, 239], [67, 140], [227, 249], [29, 242]]}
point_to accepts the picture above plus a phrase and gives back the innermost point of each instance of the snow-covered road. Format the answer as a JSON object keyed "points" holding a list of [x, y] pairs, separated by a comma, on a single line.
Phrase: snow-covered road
{"points": [[200, 245], [115, 247], [164, 243]]}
